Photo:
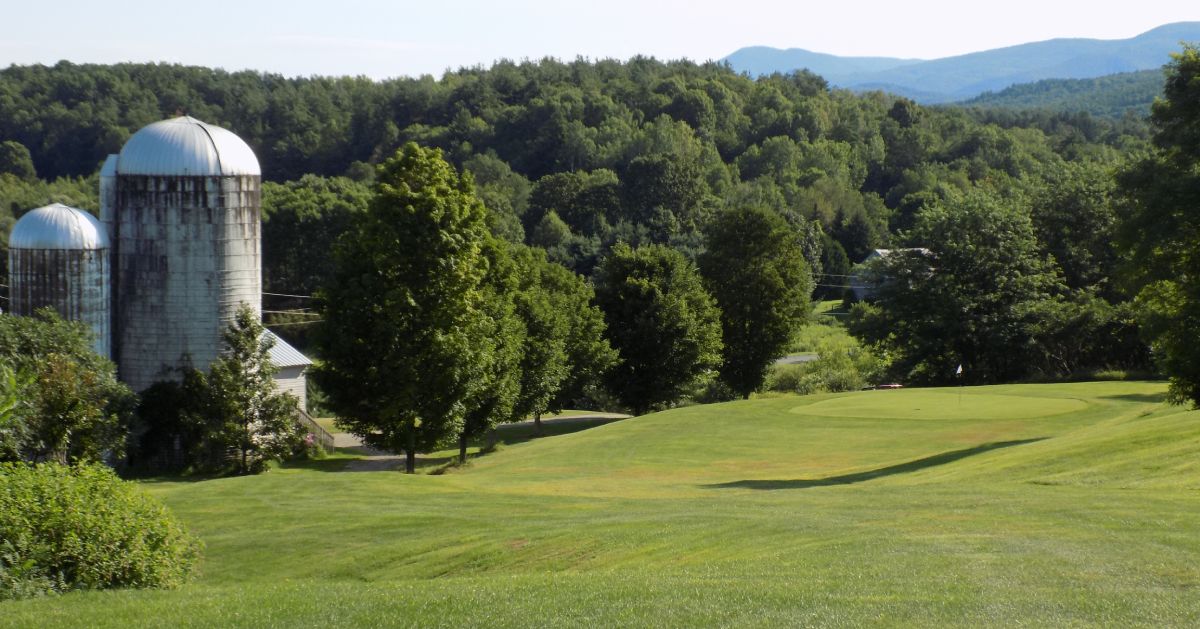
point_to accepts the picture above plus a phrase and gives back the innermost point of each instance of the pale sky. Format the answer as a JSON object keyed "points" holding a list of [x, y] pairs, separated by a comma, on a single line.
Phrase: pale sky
{"points": [[384, 39]]}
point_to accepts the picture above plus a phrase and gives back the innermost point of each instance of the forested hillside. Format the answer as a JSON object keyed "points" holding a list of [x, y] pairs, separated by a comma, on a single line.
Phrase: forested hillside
{"points": [[575, 157], [644, 148], [1115, 95]]}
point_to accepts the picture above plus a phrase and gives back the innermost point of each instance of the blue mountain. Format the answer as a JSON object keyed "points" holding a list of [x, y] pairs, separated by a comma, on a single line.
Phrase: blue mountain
{"points": [[966, 76]]}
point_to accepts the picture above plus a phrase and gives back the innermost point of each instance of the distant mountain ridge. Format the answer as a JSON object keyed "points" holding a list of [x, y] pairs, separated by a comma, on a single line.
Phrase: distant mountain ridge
{"points": [[966, 76]]}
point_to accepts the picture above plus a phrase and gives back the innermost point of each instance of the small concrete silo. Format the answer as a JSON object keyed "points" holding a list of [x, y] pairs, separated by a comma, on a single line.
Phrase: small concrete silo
{"points": [[181, 202], [58, 256]]}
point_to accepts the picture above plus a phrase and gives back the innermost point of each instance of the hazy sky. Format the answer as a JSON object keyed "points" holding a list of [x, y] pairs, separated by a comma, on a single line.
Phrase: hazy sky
{"points": [[381, 39]]}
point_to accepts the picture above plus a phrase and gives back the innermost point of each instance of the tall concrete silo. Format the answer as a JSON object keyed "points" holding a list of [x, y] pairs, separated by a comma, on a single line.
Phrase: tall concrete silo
{"points": [[58, 256], [181, 202]]}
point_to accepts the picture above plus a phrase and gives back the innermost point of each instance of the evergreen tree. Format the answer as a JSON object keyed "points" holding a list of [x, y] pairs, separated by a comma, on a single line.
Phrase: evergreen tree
{"points": [[245, 412]]}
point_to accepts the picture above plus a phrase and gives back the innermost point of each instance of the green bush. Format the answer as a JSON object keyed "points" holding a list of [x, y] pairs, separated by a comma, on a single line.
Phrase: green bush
{"points": [[82, 527], [842, 365]]}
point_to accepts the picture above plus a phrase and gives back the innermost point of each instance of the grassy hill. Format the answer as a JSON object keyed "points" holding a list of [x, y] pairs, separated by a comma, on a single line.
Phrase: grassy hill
{"points": [[1110, 96], [1048, 505]]}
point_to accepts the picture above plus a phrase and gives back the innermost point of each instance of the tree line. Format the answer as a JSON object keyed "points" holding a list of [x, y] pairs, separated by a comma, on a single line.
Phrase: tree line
{"points": [[1021, 209], [433, 328], [575, 156]]}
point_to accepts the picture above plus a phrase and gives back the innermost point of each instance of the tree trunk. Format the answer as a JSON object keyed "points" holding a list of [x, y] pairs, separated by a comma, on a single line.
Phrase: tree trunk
{"points": [[462, 447], [537, 424], [410, 454]]}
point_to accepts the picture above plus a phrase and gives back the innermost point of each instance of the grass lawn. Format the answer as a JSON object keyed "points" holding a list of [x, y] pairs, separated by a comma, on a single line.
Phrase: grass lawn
{"points": [[1043, 505]]}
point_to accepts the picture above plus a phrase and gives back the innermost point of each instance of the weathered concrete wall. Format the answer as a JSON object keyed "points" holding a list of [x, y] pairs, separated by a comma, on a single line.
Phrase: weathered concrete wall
{"points": [[75, 282], [187, 252], [292, 380]]}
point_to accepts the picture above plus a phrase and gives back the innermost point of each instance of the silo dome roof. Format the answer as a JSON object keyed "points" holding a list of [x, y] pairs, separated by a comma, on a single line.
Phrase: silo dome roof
{"points": [[186, 146], [57, 226]]}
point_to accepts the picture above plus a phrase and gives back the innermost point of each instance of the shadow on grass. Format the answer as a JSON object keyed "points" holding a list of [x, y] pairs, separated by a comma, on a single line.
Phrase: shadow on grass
{"points": [[1148, 398], [328, 464], [858, 477], [351, 459], [512, 434]]}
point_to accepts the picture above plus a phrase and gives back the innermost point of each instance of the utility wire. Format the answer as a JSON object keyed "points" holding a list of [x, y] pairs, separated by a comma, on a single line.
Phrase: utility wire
{"points": [[292, 296], [274, 325]]}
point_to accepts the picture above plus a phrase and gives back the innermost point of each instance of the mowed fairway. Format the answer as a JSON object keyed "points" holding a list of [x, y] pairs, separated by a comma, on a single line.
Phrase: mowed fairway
{"points": [[1042, 505]]}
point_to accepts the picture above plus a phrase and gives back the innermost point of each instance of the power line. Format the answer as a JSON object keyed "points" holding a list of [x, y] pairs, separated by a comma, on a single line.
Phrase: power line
{"points": [[275, 325], [292, 296]]}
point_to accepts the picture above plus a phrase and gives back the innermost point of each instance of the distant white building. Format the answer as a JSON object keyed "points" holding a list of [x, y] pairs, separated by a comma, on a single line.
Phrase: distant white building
{"points": [[292, 366], [867, 274]]}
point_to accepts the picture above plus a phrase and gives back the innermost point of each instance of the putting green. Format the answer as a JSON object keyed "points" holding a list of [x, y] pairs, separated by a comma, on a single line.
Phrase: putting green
{"points": [[939, 404]]}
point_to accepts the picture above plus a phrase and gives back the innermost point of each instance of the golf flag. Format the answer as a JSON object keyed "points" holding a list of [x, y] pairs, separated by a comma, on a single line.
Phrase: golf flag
{"points": [[958, 372]]}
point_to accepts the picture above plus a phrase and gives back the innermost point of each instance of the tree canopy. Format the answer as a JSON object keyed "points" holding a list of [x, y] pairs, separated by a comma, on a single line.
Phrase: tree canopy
{"points": [[754, 268], [972, 299], [1160, 227], [59, 400], [404, 314], [664, 326]]}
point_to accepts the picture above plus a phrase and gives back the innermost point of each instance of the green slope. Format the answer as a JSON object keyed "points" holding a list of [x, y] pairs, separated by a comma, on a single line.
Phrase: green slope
{"points": [[1111, 96], [1046, 505]]}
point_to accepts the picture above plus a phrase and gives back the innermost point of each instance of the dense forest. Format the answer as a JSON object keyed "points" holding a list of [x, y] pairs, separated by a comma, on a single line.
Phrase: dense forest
{"points": [[1115, 95], [574, 157]]}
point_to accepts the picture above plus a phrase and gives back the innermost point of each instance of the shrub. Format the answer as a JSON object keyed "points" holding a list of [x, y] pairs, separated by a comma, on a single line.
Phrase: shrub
{"points": [[65, 528], [842, 365], [71, 406]]}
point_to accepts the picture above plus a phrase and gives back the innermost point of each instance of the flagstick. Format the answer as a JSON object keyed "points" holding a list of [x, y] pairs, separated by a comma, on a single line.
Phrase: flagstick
{"points": [[958, 374]]}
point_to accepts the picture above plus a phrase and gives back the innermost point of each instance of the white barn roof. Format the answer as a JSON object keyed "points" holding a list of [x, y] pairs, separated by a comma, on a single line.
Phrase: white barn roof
{"points": [[186, 146], [284, 355], [57, 226]]}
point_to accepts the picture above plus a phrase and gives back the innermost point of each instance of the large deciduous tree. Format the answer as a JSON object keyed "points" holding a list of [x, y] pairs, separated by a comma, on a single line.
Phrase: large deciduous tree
{"points": [[503, 332], [974, 297], [754, 268], [589, 354], [664, 326], [403, 314], [566, 353], [1160, 227], [544, 365]]}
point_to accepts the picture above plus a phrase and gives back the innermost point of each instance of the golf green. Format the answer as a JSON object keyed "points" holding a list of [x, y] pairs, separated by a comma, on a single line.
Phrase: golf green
{"points": [[939, 404]]}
